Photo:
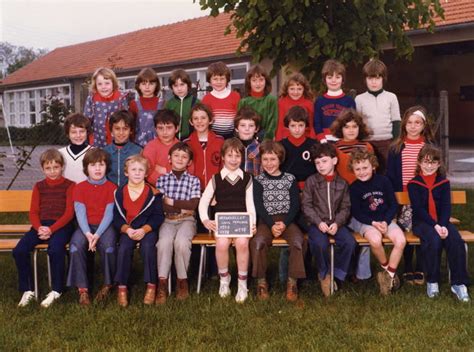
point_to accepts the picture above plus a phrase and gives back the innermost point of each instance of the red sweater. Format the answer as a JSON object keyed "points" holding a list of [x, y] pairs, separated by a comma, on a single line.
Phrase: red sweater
{"points": [[148, 104], [52, 200], [133, 207], [207, 162], [95, 198], [284, 105]]}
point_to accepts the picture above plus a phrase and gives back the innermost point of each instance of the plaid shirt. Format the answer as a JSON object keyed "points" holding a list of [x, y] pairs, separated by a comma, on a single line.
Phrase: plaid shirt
{"points": [[186, 188], [251, 160]]}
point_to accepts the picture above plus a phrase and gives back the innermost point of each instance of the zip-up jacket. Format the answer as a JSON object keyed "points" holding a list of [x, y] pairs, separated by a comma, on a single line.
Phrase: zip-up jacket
{"points": [[419, 193], [117, 158], [207, 161], [183, 108], [151, 214], [324, 201]]}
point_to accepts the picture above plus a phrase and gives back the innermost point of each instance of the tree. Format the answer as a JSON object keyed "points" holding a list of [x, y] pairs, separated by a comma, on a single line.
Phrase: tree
{"points": [[305, 33], [15, 57]]}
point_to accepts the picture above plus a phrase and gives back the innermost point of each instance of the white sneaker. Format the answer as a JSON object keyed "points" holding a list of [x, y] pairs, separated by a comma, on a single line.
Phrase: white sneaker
{"points": [[242, 292], [461, 292], [50, 298], [27, 298], [224, 289]]}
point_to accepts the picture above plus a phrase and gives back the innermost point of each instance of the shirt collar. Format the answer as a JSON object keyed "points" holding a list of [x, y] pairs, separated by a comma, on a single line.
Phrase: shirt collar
{"points": [[232, 174]]}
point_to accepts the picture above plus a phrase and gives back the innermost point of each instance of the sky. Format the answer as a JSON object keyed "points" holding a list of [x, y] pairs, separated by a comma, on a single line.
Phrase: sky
{"points": [[49, 24]]}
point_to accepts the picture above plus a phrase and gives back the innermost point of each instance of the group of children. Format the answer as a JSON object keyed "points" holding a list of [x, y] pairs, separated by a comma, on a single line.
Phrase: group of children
{"points": [[294, 167]]}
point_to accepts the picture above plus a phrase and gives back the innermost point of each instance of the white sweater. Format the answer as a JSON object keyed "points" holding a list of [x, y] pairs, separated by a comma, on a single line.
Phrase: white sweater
{"points": [[380, 111], [73, 169]]}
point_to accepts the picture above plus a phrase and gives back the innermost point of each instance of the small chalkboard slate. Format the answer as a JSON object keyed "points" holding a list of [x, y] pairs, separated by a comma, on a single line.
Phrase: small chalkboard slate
{"points": [[233, 225]]}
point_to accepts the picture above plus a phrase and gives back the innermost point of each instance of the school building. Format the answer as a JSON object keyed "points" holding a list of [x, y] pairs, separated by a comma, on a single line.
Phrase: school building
{"points": [[442, 61]]}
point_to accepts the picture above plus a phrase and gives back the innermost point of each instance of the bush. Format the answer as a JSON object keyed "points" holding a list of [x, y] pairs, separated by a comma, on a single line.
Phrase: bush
{"points": [[42, 134]]}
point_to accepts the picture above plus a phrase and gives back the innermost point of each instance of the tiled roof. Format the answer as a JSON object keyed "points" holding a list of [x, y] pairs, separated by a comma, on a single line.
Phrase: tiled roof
{"points": [[185, 41]]}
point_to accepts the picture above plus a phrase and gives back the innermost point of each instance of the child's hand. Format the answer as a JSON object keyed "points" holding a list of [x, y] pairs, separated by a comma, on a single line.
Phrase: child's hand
{"points": [[442, 231], [160, 169], [254, 229], [333, 229], [379, 225], [44, 233], [276, 232], [323, 227], [93, 242], [168, 201], [210, 225], [138, 234], [89, 236]]}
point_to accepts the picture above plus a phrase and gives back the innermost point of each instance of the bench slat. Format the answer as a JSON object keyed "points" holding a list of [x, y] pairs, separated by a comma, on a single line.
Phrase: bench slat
{"points": [[457, 197], [15, 201]]}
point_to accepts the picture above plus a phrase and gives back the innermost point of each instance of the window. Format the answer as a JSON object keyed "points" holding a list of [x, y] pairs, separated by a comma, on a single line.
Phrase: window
{"points": [[24, 106]]}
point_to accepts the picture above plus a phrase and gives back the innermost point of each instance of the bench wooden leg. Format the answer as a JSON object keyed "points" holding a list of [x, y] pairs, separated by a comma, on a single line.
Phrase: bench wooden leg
{"points": [[332, 268], [35, 272], [202, 264]]}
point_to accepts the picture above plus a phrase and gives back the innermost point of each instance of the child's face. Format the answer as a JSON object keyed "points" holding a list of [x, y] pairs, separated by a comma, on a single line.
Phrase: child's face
{"points": [[179, 160], [414, 127], [297, 128], [147, 89], [104, 86], [257, 83], [52, 170], [232, 159], [325, 165], [246, 129], [121, 132], [350, 131], [97, 170], [77, 135], [136, 172], [374, 83], [166, 132], [429, 166], [200, 121], [295, 90], [271, 164], [218, 82], [363, 170], [180, 88], [334, 81]]}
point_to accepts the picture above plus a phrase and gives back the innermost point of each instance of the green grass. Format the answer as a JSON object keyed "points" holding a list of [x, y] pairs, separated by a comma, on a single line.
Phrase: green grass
{"points": [[356, 318]]}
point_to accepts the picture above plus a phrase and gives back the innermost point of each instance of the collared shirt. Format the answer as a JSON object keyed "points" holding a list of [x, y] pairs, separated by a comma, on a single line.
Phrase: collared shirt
{"points": [[185, 188]]}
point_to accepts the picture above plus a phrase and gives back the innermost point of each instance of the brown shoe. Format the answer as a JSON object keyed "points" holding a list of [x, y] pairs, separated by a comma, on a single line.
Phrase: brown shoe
{"points": [[291, 291], [84, 299], [162, 291], [385, 282], [262, 291], [150, 295], [122, 297], [326, 285], [103, 293], [182, 290]]}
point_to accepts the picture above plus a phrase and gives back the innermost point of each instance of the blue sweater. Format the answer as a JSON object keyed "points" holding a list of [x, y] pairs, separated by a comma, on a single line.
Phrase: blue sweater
{"points": [[419, 195], [373, 200], [327, 108], [117, 158]]}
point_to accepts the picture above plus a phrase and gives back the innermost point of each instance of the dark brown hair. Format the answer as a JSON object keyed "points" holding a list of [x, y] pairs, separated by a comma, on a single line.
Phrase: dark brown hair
{"points": [[165, 117], [271, 147], [147, 75], [202, 107], [218, 69], [298, 78], [232, 144], [320, 150], [297, 114], [122, 115], [95, 155], [247, 113], [348, 115], [375, 68], [183, 147], [182, 75], [78, 120], [431, 153], [258, 70]]}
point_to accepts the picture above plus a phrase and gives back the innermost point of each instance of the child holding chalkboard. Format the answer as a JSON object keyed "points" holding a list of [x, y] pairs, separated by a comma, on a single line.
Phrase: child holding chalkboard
{"points": [[232, 190], [277, 201]]}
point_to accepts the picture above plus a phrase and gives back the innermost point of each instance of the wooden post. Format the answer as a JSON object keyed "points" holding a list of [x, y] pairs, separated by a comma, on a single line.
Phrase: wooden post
{"points": [[444, 126]]}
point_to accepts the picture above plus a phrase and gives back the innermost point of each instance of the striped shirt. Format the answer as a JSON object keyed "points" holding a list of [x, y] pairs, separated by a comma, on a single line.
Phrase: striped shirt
{"points": [[409, 159], [224, 110]]}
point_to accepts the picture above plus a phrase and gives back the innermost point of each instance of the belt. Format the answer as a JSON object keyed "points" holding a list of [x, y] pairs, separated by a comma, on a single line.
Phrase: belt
{"points": [[178, 216]]}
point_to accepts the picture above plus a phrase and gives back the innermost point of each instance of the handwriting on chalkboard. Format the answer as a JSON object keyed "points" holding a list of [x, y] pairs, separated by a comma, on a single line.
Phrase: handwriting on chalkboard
{"points": [[233, 225]]}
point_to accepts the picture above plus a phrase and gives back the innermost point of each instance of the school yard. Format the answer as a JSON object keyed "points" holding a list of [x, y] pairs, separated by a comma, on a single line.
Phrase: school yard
{"points": [[355, 318]]}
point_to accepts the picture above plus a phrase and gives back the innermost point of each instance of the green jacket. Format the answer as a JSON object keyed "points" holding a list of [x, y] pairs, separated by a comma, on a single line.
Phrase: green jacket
{"points": [[183, 108], [267, 108]]}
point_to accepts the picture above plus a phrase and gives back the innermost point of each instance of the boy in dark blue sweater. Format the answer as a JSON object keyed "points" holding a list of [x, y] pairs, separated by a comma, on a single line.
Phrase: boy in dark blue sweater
{"points": [[373, 207]]}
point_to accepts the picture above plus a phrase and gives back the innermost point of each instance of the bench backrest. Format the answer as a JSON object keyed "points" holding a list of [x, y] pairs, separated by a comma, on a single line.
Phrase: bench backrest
{"points": [[15, 201], [457, 197]]}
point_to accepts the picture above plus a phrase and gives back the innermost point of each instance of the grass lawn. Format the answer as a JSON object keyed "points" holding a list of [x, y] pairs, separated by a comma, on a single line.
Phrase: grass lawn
{"points": [[356, 318]]}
